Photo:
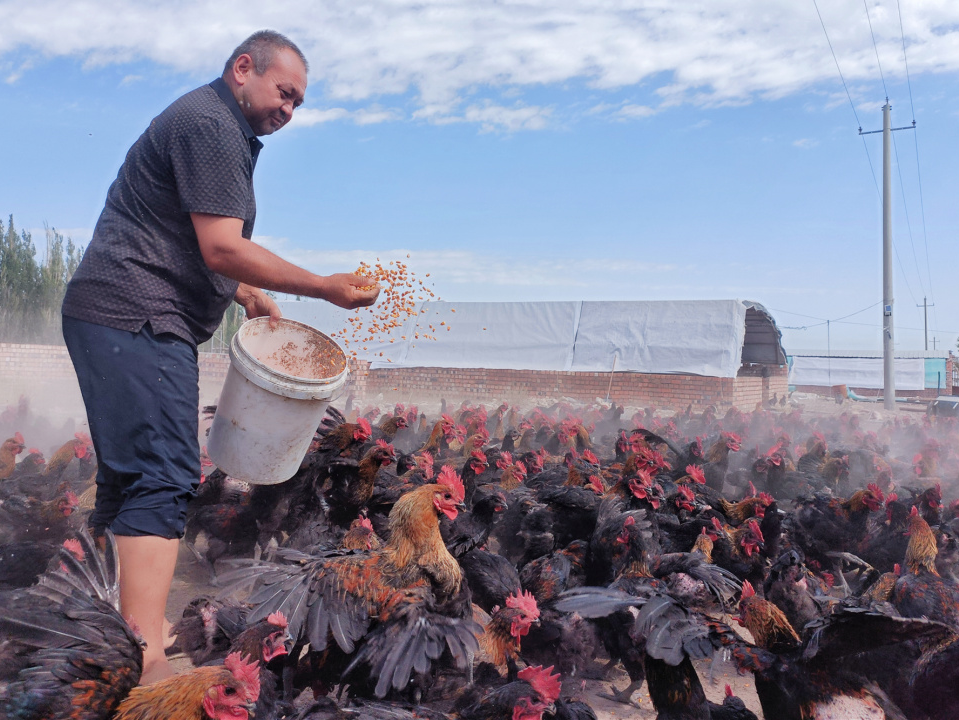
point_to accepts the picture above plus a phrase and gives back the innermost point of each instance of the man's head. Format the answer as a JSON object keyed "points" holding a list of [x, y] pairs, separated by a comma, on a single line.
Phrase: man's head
{"points": [[267, 74]]}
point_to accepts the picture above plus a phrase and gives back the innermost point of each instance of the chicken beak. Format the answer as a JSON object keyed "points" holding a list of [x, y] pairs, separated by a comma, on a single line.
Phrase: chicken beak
{"points": [[250, 709]]}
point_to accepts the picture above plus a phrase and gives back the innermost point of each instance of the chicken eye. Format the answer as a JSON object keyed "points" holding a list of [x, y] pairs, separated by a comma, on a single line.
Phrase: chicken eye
{"points": [[229, 691], [447, 496]]}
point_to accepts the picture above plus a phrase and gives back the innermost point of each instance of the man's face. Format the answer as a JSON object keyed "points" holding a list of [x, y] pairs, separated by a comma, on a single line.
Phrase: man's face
{"points": [[268, 100]]}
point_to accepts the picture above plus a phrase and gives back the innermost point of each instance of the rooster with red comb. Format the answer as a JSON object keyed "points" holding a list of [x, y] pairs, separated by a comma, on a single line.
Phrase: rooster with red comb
{"points": [[379, 616]]}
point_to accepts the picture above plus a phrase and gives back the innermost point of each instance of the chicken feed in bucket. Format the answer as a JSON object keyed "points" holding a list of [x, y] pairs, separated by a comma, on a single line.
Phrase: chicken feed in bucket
{"points": [[279, 384]]}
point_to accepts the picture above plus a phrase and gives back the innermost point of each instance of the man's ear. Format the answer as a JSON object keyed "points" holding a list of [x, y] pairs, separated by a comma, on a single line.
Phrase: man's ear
{"points": [[242, 68]]}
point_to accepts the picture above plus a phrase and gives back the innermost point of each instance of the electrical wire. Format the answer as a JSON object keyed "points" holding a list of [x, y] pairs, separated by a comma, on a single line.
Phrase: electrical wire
{"points": [[845, 87], [881, 77], [912, 106], [905, 208]]}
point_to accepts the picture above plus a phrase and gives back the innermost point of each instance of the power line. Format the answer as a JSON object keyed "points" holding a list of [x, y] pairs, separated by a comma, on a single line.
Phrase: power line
{"points": [[912, 106], [905, 208], [866, 6], [849, 97], [824, 320], [829, 42]]}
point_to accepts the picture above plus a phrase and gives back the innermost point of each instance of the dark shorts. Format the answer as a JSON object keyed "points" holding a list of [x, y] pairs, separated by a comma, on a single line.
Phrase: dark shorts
{"points": [[141, 393]]}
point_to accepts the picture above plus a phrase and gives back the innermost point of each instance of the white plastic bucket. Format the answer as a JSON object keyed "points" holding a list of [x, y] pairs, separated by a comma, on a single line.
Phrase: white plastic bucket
{"points": [[276, 391]]}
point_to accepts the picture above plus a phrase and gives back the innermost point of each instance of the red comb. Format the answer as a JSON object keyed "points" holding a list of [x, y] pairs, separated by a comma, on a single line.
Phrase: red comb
{"points": [[728, 691], [74, 547], [748, 590], [278, 619], [696, 473], [449, 478], [524, 600], [246, 672], [542, 681], [589, 457], [365, 426], [18, 437]]}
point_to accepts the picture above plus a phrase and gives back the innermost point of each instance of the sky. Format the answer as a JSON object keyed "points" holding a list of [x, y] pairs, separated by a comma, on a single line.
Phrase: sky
{"points": [[544, 150]]}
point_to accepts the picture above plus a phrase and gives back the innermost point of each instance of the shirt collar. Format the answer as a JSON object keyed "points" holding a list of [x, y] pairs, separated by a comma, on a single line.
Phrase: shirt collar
{"points": [[226, 95]]}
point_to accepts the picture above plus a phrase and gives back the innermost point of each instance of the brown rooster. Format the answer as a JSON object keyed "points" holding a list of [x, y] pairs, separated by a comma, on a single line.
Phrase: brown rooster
{"points": [[389, 426], [27, 518], [8, 455], [365, 604], [79, 447], [920, 591], [338, 438], [500, 644], [352, 482], [220, 692], [739, 512]]}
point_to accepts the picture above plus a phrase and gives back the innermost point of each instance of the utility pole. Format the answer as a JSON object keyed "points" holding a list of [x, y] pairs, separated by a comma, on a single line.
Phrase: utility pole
{"points": [[888, 346], [925, 319]]}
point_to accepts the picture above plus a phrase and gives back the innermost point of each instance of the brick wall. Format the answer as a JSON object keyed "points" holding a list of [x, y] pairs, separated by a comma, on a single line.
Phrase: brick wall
{"points": [[45, 372], [525, 386]]}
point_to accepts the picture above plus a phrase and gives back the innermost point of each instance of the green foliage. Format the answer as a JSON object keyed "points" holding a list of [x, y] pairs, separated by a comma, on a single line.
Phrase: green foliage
{"points": [[31, 291], [220, 342]]}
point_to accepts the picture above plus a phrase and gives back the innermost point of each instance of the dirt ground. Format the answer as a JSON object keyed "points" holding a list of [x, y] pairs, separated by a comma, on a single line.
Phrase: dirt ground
{"points": [[192, 580]]}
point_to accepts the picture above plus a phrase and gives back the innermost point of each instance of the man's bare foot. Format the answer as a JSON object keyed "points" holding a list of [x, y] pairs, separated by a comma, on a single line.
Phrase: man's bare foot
{"points": [[168, 636], [153, 672]]}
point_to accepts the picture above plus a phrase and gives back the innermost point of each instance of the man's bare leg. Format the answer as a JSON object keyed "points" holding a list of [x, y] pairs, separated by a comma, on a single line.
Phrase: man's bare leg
{"points": [[146, 572]]}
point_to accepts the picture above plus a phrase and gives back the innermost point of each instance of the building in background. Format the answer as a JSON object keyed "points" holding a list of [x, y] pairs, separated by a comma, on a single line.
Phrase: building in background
{"points": [[920, 375]]}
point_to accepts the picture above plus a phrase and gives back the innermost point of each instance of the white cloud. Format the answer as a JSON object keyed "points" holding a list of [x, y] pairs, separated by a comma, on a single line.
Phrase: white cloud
{"points": [[440, 52], [307, 117], [633, 112], [496, 117], [452, 270], [805, 143]]}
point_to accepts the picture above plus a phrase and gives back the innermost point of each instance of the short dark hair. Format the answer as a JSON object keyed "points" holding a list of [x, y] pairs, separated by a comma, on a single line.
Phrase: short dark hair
{"points": [[262, 46]]}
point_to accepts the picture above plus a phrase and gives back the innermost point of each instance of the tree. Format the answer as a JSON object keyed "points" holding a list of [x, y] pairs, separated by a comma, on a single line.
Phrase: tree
{"points": [[31, 292]]}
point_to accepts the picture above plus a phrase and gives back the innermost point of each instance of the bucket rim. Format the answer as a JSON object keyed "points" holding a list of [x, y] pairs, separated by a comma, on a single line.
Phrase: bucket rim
{"points": [[306, 381]]}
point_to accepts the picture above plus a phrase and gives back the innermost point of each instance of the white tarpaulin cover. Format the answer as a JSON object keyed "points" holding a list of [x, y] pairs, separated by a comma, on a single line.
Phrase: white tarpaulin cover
{"points": [[855, 372], [695, 337]]}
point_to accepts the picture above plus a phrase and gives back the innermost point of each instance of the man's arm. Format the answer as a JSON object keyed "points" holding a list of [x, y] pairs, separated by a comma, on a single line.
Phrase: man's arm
{"points": [[227, 252]]}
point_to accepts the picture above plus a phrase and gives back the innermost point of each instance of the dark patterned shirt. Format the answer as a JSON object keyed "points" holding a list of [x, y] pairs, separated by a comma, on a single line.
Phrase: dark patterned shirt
{"points": [[144, 263]]}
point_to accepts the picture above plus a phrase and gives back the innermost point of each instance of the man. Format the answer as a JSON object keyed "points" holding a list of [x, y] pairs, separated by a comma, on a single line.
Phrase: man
{"points": [[169, 253]]}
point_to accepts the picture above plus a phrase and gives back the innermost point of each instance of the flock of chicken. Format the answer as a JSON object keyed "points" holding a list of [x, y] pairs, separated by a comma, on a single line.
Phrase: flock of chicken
{"points": [[463, 566]]}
